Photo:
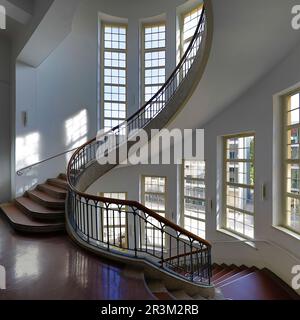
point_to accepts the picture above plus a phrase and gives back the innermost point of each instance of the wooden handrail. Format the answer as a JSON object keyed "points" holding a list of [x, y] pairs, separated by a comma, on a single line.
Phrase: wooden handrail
{"points": [[136, 204]]}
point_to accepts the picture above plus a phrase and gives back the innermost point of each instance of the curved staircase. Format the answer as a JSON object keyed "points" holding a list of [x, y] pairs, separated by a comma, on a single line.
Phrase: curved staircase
{"points": [[158, 246], [177, 264], [40, 210]]}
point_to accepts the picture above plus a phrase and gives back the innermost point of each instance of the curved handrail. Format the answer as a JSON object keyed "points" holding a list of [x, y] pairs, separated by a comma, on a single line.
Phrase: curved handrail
{"points": [[86, 199]]}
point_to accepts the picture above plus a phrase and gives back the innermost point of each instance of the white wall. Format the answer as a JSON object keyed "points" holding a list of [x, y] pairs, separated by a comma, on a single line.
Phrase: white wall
{"points": [[5, 60], [128, 179], [254, 112], [67, 81]]}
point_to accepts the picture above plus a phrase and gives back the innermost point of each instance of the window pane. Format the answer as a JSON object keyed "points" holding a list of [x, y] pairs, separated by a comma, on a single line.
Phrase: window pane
{"points": [[293, 178], [190, 22], [154, 61], [154, 199], [114, 221], [240, 179], [114, 76], [194, 197]]}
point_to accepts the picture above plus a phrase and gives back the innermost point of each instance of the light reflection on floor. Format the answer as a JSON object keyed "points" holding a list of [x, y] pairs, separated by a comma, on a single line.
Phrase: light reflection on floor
{"points": [[53, 267]]}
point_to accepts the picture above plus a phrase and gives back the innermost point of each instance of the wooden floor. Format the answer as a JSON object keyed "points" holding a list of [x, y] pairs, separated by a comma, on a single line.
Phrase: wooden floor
{"points": [[51, 267]]}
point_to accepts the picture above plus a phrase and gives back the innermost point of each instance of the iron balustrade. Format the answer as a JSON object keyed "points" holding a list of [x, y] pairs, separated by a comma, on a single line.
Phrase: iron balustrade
{"points": [[127, 227]]}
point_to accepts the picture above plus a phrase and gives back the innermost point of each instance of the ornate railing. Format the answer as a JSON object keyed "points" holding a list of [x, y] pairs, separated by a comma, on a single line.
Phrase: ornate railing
{"points": [[127, 227]]}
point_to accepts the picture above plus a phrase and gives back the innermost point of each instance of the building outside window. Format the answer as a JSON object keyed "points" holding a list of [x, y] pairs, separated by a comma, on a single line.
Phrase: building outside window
{"points": [[154, 198], [194, 197], [239, 184], [292, 163], [115, 221]]}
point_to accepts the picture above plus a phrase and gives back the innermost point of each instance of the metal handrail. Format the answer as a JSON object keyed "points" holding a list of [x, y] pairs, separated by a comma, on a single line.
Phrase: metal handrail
{"points": [[85, 210], [20, 172]]}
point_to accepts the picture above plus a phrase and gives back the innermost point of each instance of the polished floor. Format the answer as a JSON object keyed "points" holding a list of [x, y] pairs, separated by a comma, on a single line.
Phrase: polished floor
{"points": [[53, 267]]}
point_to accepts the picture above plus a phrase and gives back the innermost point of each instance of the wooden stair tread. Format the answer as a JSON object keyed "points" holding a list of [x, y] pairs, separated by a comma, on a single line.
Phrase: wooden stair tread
{"points": [[216, 270], [181, 295], [62, 176], [53, 190], [34, 207], [58, 182], [163, 296], [236, 276], [226, 276], [17, 217], [254, 286], [220, 274], [46, 198]]}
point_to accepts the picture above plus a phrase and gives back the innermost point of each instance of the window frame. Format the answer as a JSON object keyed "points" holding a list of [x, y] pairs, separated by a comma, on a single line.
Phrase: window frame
{"points": [[183, 216], [181, 27], [143, 53], [285, 161], [103, 223], [104, 24], [225, 184], [143, 193]]}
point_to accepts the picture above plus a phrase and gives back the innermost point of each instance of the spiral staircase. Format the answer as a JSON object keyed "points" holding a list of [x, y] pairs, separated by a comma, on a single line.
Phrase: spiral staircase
{"points": [[177, 257], [178, 264]]}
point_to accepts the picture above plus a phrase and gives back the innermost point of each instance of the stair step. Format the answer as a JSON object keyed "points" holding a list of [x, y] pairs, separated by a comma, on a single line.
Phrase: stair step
{"points": [[21, 222], [293, 294], [216, 269], [254, 286], [220, 274], [58, 183], [181, 295], [198, 297], [53, 191], [226, 276], [159, 290], [62, 176], [238, 275], [46, 200], [36, 211]]}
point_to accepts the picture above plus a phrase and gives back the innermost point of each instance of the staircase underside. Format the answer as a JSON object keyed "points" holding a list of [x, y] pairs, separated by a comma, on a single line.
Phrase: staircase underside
{"points": [[41, 210]]}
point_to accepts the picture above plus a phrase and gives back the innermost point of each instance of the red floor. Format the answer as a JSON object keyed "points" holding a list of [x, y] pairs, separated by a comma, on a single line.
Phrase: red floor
{"points": [[52, 267]]}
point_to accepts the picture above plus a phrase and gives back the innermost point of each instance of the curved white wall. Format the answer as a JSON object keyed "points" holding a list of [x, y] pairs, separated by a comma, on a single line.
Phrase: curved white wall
{"points": [[65, 85]]}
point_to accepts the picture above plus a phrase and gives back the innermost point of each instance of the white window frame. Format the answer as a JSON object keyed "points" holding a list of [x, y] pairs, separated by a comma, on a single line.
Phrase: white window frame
{"points": [[102, 69], [287, 161], [143, 62], [228, 184], [162, 213], [184, 196], [183, 15], [115, 195]]}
